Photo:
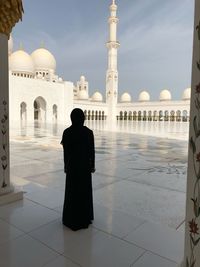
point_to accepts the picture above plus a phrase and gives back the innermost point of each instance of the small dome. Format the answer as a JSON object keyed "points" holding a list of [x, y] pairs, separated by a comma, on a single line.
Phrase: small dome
{"points": [[165, 95], [186, 94], [83, 95], [125, 98], [82, 78], [60, 80], [43, 60], [97, 97], [10, 45], [20, 61], [144, 96]]}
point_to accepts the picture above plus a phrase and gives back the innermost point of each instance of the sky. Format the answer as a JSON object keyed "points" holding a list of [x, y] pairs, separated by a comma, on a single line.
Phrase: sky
{"points": [[155, 36]]}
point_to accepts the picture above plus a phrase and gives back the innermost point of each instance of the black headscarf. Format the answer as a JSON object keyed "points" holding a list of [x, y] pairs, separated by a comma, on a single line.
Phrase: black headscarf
{"points": [[77, 117]]}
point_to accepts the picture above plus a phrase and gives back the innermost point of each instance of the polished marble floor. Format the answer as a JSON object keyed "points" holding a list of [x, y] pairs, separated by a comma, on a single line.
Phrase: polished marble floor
{"points": [[139, 200]]}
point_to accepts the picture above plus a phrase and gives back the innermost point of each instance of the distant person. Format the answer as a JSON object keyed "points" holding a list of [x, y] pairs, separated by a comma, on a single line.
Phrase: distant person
{"points": [[79, 163]]}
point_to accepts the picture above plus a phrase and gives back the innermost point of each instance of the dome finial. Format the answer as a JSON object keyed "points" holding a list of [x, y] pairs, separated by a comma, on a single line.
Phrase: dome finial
{"points": [[113, 2], [42, 45], [21, 47]]}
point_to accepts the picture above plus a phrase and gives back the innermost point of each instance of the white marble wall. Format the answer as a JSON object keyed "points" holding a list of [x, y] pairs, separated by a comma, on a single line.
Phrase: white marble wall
{"points": [[27, 90]]}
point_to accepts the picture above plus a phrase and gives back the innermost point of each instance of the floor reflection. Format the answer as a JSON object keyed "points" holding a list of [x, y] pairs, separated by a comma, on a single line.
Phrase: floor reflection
{"points": [[174, 130]]}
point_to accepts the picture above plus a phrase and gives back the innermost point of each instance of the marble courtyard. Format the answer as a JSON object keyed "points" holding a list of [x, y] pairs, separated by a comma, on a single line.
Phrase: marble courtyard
{"points": [[139, 199]]}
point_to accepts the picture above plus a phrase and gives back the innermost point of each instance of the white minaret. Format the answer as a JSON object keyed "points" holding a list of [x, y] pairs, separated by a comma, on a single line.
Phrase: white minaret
{"points": [[112, 73]]}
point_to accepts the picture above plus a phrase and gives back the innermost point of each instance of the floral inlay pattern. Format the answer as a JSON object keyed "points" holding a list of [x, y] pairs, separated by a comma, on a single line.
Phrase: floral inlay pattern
{"points": [[194, 233], [4, 144]]}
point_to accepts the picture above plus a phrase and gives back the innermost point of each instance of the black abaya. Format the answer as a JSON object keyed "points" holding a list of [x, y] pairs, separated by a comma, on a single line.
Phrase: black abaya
{"points": [[79, 160]]}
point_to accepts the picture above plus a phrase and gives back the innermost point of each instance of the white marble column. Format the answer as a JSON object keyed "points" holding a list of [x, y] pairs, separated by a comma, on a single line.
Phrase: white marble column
{"points": [[192, 231], [7, 192]]}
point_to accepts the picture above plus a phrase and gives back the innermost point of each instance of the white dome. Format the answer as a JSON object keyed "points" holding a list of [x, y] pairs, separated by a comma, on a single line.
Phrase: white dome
{"points": [[43, 60], [83, 95], [125, 97], [97, 97], [10, 45], [186, 94], [144, 96], [165, 95], [20, 61], [82, 78]]}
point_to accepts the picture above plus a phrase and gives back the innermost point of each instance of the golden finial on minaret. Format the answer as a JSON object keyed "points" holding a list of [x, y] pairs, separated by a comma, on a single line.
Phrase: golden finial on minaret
{"points": [[21, 47]]}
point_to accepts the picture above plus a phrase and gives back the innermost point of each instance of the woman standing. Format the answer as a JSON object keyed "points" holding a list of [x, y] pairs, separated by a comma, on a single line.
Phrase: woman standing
{"points": [[79, 163]]}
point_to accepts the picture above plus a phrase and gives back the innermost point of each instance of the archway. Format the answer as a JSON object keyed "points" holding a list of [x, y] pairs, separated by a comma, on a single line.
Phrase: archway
{"points": [[166, 117], [23, 112], [155, 115], [185, 115], [96, 115], [160, 115], [121, 115], [125, 116], [144, 115], [172, 115], [55, 112], [130, 116], [89, 115], [178, 115], [134, 115], [139, 115], [149, 115], [103, 115], [85, 113], [40, 109], [92, 115]]}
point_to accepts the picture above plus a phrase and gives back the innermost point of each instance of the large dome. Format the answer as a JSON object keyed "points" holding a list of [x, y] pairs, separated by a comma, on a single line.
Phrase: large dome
{"points": [[43, 60], [97, 97], [144, 96], [165, 95], [125, 98], [21, 62], [10, 45], [83, 95], [186, 94]]}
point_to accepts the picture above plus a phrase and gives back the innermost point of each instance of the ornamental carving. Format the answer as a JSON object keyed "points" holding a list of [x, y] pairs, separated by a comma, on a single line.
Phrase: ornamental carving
{"points": [[11, 12], [4, 144], [113, 44], [193, 223], [113, 20]]}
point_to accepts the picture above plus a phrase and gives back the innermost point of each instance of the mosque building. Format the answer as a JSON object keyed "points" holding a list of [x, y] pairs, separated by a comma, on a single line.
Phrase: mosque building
{"points": [[38, 93]]}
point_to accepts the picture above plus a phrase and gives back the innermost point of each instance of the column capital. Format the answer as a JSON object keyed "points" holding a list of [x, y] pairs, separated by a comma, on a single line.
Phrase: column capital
{"points": [[11, 12]]}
